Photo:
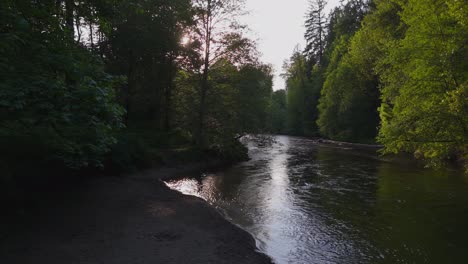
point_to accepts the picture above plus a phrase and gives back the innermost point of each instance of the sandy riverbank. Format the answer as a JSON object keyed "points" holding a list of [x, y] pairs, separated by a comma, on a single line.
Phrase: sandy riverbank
{"points": [[133, 219]]}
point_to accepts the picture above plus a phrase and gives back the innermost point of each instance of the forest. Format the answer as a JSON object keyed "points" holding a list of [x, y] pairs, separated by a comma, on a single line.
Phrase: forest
{"points": [[114, 83], [117, 84], [391, 72], [154, 131]]}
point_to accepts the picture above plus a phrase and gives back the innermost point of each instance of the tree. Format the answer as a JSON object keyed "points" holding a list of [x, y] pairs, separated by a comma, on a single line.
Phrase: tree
{"points": [[56, 101], [149, 60], [315, 31], [278, 112], [219, 37], [239, 104], [67, 67], [350, 95], [425, 82], [254, 83], [302, 94], [348, 104], [344, 20]]}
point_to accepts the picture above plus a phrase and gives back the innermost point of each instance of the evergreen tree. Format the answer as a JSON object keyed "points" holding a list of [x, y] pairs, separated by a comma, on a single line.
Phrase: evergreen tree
{"points": [[350, 96], [302, 91], [315, 35], [278, 112]]}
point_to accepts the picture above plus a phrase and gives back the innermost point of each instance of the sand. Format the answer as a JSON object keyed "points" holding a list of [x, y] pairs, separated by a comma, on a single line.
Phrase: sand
{"points": [[135, 219]]}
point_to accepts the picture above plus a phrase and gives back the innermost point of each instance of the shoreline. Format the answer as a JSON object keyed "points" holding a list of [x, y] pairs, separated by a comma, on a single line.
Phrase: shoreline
{"points": [[348, 144], [130, 219]]}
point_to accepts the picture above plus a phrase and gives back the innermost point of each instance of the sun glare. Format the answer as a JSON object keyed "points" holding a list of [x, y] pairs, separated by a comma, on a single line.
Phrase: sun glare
{"points": [[185, 40]]}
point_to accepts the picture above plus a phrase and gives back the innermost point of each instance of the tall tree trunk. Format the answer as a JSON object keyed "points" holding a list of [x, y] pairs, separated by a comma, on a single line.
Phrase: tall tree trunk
{"points": [[201, 119], [70, 30], [321, 44], [168, 96], [131, 82], [157, 73], [204, 81], [78, 30], [69, 17], [91, 36], [168, 107]]}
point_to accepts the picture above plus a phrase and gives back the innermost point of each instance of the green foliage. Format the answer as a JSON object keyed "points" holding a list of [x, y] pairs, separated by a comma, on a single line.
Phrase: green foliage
{"points": [[315, 34], [254, 84], [141, 147], [425, 87], [349, 97], [130, 153], [53, 91], [69, 68], [278, 112], [72, 73], [230, 149], [348, 105], [302, 96], [155, 29], [413, 51], [221, 122], [237, 102], [400, 73], [217, 38]]}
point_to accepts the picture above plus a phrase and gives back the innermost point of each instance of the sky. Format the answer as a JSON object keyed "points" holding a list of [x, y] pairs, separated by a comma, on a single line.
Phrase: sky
{"points": [[278, 27]]}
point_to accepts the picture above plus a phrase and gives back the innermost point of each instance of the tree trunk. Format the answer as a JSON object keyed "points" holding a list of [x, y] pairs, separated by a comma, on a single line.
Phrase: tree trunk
{"points": [[168, 96], [155, 73], [91, 37], [204, 87], [69, 17], [204, 82], [131, 82]]}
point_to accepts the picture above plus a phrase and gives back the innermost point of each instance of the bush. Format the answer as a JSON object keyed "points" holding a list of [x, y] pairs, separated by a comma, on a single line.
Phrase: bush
{"points": [[230, 150], [130, 153]]}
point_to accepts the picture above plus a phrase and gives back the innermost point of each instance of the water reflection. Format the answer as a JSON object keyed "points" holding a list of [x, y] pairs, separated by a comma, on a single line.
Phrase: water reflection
{"points": [[278, 204], [421, 215], [307, 203], [187, 186]]}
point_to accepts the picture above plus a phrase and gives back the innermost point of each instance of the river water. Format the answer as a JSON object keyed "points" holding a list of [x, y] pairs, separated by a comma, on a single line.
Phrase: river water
{"points": [[310, 203]]}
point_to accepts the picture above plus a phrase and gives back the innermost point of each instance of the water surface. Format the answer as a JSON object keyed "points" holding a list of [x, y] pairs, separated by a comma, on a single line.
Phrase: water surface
{"points": [[309, 203]]}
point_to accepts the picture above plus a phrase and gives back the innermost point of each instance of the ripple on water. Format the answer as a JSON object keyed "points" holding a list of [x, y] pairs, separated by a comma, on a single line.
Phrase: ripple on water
{"points": [[307, 203]]}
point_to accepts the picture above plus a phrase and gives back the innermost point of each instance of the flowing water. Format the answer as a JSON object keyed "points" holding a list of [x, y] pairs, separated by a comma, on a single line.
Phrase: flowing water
{"points": [[309, 203]]}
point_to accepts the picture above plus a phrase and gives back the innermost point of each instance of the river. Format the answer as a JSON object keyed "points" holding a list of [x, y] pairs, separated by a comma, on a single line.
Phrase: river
{"points": [[306, 202]]}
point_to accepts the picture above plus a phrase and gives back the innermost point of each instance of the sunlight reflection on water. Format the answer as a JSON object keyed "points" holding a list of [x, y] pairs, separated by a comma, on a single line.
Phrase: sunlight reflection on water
{"points": [[186, 186], [307, 203]]}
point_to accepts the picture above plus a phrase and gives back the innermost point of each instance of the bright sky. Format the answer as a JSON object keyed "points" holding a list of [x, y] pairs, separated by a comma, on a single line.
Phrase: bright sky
{"points": [[279, 27]]}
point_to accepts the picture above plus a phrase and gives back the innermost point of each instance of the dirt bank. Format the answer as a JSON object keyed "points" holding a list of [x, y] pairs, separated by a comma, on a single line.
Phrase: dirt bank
{"points": [[133, 219]]}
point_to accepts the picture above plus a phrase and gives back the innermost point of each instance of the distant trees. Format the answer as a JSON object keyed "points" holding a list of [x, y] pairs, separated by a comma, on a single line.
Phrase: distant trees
{"points": [[350, 96], [302, 95], [254, 82], [278, 112]]}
